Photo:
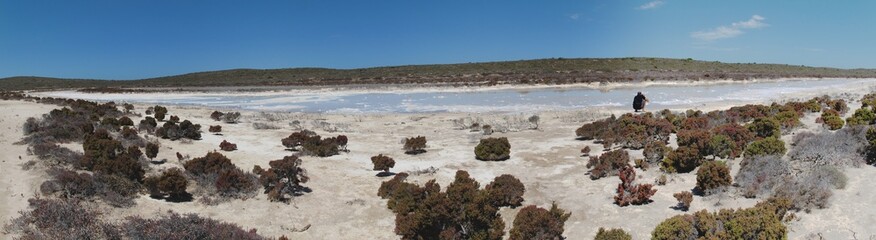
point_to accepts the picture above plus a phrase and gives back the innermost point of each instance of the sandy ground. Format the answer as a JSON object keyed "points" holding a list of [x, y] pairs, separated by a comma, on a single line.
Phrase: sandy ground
{"points": [[344, 204]]}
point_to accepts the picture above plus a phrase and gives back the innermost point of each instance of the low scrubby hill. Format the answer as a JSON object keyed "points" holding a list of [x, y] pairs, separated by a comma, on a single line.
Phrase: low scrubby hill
{"points": [[548, 71]]}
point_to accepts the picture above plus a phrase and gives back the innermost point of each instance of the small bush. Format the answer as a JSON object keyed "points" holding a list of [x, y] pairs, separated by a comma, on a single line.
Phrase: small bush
{"points": [[216, 115], [684, 199], [608, 163], [148, 124], [538, 223], [766, 146], [297, 139], [713, 176], [234, 183], [695, 139], [285, 176], [126, 121], [630, 131], [171, 182], [722, 146], [212, 163], [681, 160], [382, 163], [231, 117], [493, 149], [415, 145], [60, 219], [227, 146], [832, 119], [342, 141], [585, 151], [151, 150], [174, 118], [54, 154], [629, 193], [612, 234], [215, 129], [505, 191], [185, 129]]}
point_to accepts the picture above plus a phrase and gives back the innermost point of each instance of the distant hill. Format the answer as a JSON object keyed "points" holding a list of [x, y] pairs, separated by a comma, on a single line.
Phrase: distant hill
{"points": [[545, 71]]}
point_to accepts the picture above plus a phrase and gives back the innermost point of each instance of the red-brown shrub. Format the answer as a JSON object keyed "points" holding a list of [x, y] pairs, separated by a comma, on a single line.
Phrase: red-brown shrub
{"points": [[382, 163], [629, 193], [227, 146], [506, 191], [538, 223], [608, 163], [285, 176]]}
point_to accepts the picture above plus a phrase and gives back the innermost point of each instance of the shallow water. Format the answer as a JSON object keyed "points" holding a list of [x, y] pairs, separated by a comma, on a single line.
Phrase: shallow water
{"points": [[671, 96]]}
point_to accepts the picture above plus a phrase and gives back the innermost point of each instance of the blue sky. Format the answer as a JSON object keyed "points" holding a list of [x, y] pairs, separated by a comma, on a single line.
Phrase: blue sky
{"points": [[141, 39]]}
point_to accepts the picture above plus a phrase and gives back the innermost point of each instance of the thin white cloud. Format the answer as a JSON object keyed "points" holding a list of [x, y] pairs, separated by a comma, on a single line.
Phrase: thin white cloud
{"points": [[575, 16], [735, 29], [651, 5]]}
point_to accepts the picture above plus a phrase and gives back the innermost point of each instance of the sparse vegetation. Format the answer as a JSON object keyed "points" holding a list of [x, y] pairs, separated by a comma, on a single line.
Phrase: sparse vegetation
{"points": [[629, 131], [762, 221]]}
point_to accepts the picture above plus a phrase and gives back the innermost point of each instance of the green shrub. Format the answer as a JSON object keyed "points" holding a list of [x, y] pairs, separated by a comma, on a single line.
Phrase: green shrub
{"points": [[721, 146], [713, 176], [493, 149], [862, 116], [765, 127], [763, 221], [612, 234], [766, 146]]}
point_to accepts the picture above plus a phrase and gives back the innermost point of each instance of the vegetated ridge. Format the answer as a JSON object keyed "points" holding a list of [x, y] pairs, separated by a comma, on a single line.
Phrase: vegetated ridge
{"points": [[540, 71]]}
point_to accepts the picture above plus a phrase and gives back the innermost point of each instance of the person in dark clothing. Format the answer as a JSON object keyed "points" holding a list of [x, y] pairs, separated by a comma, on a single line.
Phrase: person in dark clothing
{"points": [[639, 102]]}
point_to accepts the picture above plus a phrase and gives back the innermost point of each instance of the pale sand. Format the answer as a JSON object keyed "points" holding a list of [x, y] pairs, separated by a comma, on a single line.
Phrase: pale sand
{"points": [[344, 204]]}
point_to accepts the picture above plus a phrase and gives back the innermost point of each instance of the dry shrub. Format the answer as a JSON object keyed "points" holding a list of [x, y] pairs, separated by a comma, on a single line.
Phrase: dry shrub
{"points": [[608, 163], [759, 175], [215, 129], [493, 149], [218, 177], [311, 144], [812, 189], [264, 126], [629, 193], [843, 148], [231, 117], [216, 115], [190, 226], [60, 219], [54, 154]]}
